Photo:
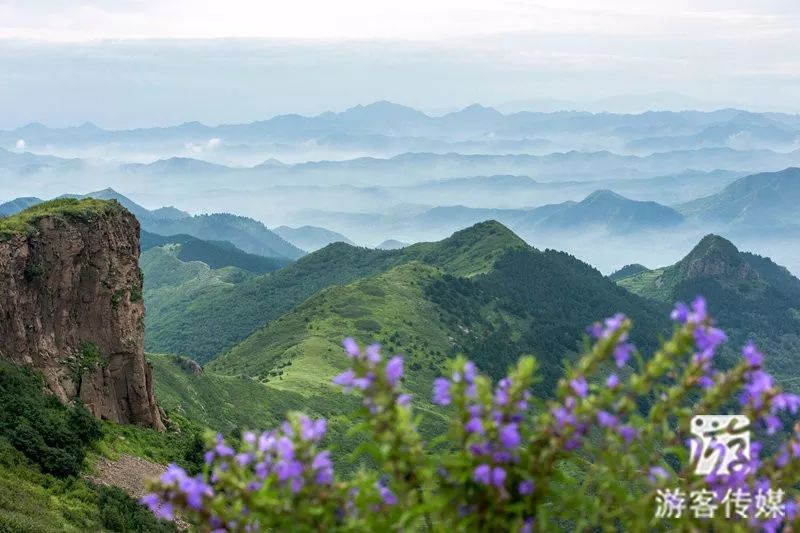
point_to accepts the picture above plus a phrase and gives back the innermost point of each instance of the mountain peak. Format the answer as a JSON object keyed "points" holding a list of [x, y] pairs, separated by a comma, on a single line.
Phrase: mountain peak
{"points": [[715, 257], [605, 195]]}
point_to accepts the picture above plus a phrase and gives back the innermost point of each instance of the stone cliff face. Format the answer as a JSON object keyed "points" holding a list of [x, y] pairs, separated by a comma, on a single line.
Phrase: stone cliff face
{"points": [[71, 306]]}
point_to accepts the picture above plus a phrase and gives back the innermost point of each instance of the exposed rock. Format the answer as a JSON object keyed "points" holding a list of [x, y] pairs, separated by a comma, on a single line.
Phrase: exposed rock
{"points": [[71, 306]]}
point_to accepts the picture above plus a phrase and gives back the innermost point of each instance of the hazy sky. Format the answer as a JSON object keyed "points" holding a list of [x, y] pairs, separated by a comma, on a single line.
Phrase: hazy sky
{"points": [[139, 62]]}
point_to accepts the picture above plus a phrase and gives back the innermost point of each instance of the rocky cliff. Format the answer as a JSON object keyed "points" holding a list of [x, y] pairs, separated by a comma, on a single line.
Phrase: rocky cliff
{"points": [[71, 305]]}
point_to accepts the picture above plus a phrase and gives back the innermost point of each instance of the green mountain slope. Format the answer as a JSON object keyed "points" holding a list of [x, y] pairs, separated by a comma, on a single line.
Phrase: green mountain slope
{"points": [[751, 297], [216, 254], [520, 301], [245, 233], [219, 316]]}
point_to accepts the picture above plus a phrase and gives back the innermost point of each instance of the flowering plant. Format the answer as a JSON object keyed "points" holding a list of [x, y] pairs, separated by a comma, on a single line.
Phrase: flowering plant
{"points": [[614, 449]]}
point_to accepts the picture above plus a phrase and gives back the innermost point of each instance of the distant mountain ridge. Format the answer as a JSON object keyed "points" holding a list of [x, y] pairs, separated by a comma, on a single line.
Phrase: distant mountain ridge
{"points": [[310, 238], [247, 234], [759, 199]]}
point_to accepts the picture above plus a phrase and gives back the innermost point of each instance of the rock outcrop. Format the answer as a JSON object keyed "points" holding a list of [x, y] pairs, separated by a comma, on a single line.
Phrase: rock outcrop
{"points": [[71, 305]]}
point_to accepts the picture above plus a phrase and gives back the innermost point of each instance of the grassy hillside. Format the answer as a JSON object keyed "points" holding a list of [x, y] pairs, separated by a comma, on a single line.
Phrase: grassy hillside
{"points": [[212, 317], [525, 302]]}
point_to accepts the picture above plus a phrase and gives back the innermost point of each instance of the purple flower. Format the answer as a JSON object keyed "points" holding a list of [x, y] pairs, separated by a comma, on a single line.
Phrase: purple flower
{"points": [[249, 437], [174, 474], [374, 353], [322, 460], [365, 382], [288, 469], [580, 386], [470, 372], [509, 436], [394, 369], [612, 324], [262, 470], [474, 426], [387, 495], [656, 473], [563, 416], [628, 433], [244, 459], [194, 489], [498, 476], [345, 379], [573, 443], [526, 487], [208, 457], [266, 441], [753, 357], [612, 382], [785, 401], [312, 430], [441, 391], [622, 352], [285, 448], [773, 424], [527, 526], [708, 338], [680, 314], [351, 347], [698, 313], [222, 449], [606, 419], [404, 400], [165, 511], [483, 474]]}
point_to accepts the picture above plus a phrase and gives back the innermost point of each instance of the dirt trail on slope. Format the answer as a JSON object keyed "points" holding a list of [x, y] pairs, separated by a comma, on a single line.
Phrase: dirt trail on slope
{"points": [[128, 473], [131, 474]]}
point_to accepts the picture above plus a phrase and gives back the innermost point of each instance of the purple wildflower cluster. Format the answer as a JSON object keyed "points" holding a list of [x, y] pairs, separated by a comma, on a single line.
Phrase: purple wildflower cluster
{"points": [[502, 469], [287, 457], [491, 425], [370, 374], [707, 338], [570, 424]]}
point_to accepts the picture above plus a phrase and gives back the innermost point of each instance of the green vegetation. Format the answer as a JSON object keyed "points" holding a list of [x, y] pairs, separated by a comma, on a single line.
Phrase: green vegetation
{"points": [[216, 254], [528, 302], [35, 502], [47, 432], [43, 447], [756, 299], [205, 318], [231, 404], [628, 271], [24, 222]]}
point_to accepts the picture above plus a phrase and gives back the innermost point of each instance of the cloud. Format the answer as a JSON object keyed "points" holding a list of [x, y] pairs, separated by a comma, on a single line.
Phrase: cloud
{"points": [[21, 144]]}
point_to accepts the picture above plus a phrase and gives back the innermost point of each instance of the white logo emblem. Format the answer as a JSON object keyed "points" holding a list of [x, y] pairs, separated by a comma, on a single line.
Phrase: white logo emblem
{"points": [[721, 445]]}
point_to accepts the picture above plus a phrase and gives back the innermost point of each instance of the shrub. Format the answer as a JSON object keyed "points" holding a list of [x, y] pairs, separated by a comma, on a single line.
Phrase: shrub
{"points": [[50, 434], [609, 452], [120, 513]]}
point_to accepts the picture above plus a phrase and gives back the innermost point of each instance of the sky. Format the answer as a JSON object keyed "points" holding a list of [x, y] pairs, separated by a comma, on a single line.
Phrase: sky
{"points": [[129, 63]]}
